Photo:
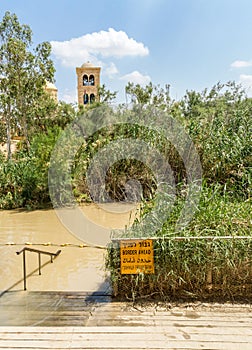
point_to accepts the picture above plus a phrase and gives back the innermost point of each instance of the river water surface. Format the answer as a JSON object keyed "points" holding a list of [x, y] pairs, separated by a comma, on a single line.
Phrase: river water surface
{"points": [[79, 267]]}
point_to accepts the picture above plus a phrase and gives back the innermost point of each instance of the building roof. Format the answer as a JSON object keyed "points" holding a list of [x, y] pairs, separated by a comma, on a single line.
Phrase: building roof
{"points": [[87, 65], [50, 86]]}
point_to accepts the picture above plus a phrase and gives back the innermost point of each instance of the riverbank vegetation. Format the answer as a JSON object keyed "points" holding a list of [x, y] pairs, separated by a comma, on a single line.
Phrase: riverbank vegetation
{"points": [[219, 122]]}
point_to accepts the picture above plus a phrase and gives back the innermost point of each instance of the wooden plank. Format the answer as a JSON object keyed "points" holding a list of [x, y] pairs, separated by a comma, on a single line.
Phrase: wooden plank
{"points": [[152, 322], [147, 336], [171, 318], [91, 315], [120, 338], [179, 313], [125, 330], [104, 344]]}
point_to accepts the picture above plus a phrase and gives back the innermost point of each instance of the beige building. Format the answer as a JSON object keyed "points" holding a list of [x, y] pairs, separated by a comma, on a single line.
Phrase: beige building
{"points": [[88, 77], [52, 90]]}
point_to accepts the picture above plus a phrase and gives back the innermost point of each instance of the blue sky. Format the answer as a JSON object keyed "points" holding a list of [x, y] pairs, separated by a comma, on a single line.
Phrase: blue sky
{"points": [[189, 44]]}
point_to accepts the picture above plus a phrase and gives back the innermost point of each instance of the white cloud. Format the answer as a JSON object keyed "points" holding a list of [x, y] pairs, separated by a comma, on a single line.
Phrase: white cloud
{"points": [[90, 47], [137, 78], [241, 64], [111, 70], [68, 96], [246, 82]]}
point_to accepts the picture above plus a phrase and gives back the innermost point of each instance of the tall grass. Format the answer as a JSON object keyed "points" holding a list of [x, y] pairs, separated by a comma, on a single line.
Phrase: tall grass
{"points": [[219, 121], [196, 268]]}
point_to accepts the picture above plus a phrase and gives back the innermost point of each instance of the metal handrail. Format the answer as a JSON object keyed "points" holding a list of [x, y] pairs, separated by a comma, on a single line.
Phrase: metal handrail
{"points": [[39, 259]]}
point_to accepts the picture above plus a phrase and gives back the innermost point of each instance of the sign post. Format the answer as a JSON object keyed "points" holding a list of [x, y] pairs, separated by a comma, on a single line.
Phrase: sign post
{"points": [[137, 256]]}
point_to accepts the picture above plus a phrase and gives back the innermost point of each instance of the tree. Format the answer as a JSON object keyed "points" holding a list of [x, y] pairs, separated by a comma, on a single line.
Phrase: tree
{"points": [[106, 96], [150, 94], [23, 74]]}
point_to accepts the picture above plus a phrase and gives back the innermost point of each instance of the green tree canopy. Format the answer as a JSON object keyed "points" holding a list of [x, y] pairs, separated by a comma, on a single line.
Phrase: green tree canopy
{"points": [[24, 71], [149, 94]]}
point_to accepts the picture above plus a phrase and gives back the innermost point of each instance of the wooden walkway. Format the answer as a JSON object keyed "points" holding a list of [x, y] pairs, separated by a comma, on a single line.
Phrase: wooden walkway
{"points": [[79, 321]]}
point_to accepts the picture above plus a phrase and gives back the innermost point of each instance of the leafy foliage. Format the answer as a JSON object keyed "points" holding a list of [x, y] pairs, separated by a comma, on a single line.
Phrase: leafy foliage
{"points": [[23, 77], [220, 125]]}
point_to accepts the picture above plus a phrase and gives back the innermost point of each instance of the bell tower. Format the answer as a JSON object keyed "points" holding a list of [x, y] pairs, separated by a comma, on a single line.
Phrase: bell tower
{"points": [[88, 77]]}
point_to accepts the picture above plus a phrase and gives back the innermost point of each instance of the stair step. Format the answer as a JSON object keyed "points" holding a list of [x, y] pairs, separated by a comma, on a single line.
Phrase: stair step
{"points": [[48, 308]]}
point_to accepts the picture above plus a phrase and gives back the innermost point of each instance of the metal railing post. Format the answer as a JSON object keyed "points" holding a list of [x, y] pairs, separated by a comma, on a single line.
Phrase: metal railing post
{"points": [[52, 255], [24, 269], [39, 259]]}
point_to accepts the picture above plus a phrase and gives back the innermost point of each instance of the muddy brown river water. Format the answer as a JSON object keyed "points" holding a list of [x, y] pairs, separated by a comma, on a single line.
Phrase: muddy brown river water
{"points": [[79, 267]]}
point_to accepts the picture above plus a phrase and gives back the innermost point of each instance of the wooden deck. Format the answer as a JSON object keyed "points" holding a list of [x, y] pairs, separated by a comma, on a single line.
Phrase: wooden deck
{"points": [[81, 321]]}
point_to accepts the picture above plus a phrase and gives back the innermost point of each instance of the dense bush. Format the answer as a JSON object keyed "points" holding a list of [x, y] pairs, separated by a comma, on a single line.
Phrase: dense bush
{"points": [[196, 266], [24, 179], [220, 124]]}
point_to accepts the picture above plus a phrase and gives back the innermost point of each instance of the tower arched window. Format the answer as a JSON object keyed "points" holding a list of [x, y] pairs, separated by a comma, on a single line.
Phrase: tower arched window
{"points": [[92, 98], [85, 99], [91, 80], [85, 80]]}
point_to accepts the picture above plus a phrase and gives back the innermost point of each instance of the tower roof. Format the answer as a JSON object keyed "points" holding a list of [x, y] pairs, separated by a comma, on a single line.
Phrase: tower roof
{"points": [[87, 65], [50, 86]]}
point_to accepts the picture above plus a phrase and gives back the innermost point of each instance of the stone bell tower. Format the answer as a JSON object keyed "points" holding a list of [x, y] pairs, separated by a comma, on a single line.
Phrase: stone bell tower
{"points": [[88, 82]]}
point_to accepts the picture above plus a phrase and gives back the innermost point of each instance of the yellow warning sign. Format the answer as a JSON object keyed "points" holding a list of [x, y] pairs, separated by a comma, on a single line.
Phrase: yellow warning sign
{"points": [[137, 256]]}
